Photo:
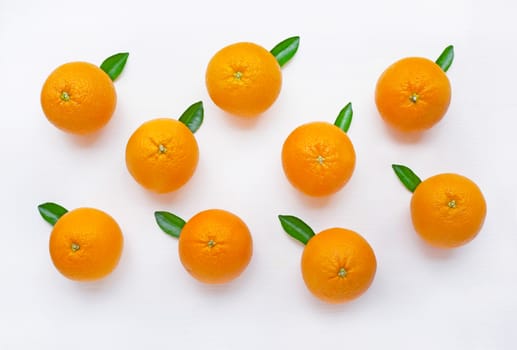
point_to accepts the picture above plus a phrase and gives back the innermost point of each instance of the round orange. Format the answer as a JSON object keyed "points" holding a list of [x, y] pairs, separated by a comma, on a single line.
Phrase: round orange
{"points": [[78, 97], [338, 265], [243, 79], [86, 244], [162, 155], [215, 246], [448, 210], [318, 158], [413, 94]]}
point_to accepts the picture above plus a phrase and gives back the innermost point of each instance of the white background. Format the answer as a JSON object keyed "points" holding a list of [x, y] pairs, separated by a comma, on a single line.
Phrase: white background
{"points": [[421, 298]]}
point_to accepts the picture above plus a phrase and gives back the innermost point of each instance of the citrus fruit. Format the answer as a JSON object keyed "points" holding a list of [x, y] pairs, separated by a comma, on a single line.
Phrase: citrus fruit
{"points": [[338, 265], [318, 158], [86, 244], [447, 210], [243, 79], [78, 97], [215, 246], [162, 155], [413, 94]]}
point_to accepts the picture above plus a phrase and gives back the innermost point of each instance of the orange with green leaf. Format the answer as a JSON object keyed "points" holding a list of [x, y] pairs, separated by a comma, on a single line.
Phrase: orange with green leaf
{"points": [[162, 154], [245, 79], [85, 243], [414, 93], [79, 97], [318, 158], [338, 265], [447, 210], [215, 246]]}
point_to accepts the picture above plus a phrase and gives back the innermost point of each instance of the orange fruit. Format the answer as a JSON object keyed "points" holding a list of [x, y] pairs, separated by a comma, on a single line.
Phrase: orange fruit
{"points": [[78, 97], [162, 154], [243, 79], [86, 244], [338, 265], [413, 94], [318, 158], [448, 210], [215, 246]]}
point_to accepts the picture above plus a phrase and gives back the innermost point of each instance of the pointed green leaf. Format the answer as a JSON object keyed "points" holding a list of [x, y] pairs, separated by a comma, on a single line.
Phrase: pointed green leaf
{"points": [[285, 50], [344, 118], [114, 65], [193, 116], [407, 176], [169, 223], [296, 228], [51, 212], [446, 58]]}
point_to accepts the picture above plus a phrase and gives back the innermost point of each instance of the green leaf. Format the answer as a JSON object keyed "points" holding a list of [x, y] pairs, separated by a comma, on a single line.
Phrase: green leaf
{"points": [[51, 212], [114, 65], [296, 228], [407, 176], [169, 223], [193, 116], [285, 50], [446, 58], [344, 118]]}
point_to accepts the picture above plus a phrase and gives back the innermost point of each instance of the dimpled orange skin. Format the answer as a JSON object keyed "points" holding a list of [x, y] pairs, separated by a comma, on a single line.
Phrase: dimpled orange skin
{"points": [[318, 158], [162, 155], [413, 94], [448, 210], [86, 244], [215, 246], [243, 79], [338, 265], [79, 98]]}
